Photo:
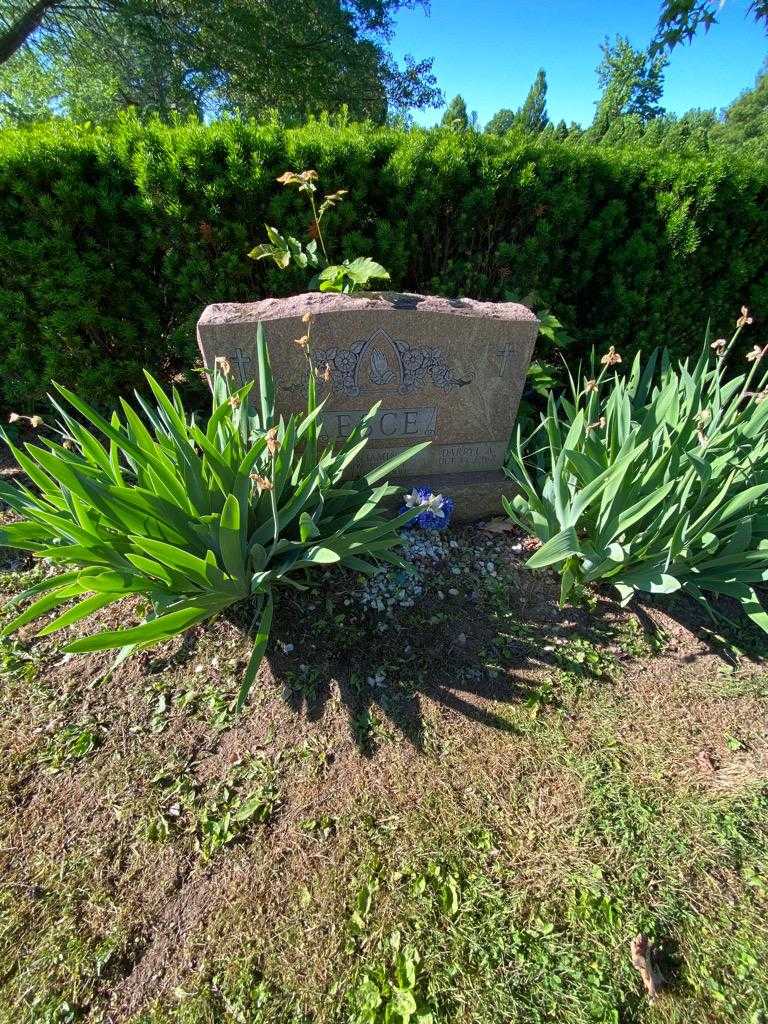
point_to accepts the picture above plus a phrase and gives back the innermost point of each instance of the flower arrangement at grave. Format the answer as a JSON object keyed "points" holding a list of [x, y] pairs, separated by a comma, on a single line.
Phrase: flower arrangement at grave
{"points": [[435, 510]]}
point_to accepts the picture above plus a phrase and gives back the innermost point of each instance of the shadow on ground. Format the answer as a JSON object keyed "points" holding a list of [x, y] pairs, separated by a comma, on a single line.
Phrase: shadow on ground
{"points": [[472, 655]]}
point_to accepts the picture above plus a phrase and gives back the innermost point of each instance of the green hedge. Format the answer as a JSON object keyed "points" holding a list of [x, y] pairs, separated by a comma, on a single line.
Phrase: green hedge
{"points": [[113, 240]]}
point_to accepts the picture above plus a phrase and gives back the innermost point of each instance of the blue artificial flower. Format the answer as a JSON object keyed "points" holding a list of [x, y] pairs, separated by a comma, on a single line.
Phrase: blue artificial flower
{"points": [[437, 510]]}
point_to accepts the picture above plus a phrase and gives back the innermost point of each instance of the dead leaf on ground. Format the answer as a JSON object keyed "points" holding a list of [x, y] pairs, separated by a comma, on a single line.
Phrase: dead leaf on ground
{"points": [[705, 763], [641, 948], [499, 526]]}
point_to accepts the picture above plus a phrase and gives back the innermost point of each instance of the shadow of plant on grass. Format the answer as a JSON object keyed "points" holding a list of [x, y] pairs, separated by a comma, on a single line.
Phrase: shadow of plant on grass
{"points": [[731, 637], [474, 655]]}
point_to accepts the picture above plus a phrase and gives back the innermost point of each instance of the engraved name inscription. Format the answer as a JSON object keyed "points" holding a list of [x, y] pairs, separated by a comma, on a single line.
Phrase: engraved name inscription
{"points": [[389, 423], [456, 457], [449, 458]]}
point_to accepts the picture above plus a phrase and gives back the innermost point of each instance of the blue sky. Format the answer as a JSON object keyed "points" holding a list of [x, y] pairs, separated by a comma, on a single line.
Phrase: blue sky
{"points": [[490, 51]]}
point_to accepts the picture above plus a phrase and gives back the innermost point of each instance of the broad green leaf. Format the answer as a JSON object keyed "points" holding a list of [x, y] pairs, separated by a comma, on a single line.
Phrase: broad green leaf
{"points": [[322, 555], [42, 606], [80, 611], [266, 382], [394, 463], [557, 549], [652, 580], [53, 582], [259, 646], [232, 539], [307, 527], [160, 628]]}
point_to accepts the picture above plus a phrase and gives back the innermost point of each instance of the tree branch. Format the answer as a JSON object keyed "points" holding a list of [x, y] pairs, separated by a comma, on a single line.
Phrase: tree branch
{"points": [[14, 37]]}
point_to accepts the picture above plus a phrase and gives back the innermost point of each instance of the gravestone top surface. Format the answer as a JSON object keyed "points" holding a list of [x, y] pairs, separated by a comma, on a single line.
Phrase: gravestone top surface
{"points": [[450, 371], [318, 303]]}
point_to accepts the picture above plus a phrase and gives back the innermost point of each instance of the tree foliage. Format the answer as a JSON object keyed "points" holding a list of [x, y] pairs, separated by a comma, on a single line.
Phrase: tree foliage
{"points": [[503, 121], [632, 82], [741, 127], [456, 115], [680, 20], [532, 116], [94, 58], [745, 121]]}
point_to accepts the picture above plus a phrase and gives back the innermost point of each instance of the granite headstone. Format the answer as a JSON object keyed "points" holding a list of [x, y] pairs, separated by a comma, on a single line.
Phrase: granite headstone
{"points": [[450, 371]]}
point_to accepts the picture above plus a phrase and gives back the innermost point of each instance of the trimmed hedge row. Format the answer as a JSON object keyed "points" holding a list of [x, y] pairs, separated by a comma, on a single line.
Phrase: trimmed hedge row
{"points": [[113, 240]]}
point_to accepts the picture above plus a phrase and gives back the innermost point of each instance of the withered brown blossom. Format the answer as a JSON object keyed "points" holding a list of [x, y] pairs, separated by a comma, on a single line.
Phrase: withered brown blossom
{"points": [[34, 421], [611, 357], [294, 178], [745, 318], [273, 445], [263, 483]]}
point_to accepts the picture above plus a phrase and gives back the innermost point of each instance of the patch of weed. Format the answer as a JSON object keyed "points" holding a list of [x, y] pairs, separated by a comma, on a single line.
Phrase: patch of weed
{"points": [[638, 642], [248, 796], [69, 745]]}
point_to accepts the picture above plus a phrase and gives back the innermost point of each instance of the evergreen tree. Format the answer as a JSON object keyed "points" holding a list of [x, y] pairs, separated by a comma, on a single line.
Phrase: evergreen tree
{"points": [[501, 122], [532, 116], [561, 131], [456, 116]]}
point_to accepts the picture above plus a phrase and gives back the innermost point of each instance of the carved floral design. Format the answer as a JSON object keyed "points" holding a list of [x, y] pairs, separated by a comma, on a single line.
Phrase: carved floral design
{"points": [[383, 361]]}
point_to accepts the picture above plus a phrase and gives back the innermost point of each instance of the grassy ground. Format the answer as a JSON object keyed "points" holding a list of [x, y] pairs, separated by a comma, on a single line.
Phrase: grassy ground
{"points": [[465, 811]]}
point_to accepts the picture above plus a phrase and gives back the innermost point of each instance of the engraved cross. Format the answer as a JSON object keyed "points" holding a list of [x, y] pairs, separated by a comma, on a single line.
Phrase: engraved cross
{"points": [[505, 354], [243, 362]]}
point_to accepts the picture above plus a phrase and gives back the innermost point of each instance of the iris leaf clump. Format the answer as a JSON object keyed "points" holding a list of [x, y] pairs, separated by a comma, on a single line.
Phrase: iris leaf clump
{"points": [[194, 517], [655, 482]]}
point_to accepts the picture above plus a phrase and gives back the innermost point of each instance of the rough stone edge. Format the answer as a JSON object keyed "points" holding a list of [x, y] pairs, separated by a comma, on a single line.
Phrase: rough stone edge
{"points": [[318, 303]]}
